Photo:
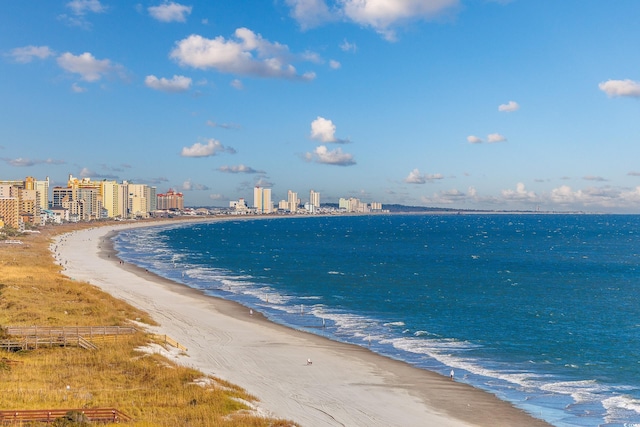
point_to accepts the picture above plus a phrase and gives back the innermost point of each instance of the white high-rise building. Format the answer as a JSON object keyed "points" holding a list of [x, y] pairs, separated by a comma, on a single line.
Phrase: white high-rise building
{"points": [[262, 200], [314, 199], [292, 201]]}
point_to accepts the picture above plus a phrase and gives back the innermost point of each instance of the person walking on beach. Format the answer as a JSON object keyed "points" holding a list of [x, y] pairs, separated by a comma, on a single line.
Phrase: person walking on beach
{"points": [[451, 375]]}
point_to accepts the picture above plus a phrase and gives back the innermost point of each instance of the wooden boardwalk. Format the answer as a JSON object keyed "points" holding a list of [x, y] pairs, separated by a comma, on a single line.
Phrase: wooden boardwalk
{"points": [[17, 417], [34, 337], [83, 331]]}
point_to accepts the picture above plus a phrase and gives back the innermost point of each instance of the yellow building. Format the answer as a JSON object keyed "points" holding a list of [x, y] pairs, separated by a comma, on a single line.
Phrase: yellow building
{"points": [[10, 212]]}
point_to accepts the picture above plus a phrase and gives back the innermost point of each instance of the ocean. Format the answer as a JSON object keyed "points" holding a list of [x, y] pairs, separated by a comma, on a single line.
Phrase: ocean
{"points": [[541, 310]]}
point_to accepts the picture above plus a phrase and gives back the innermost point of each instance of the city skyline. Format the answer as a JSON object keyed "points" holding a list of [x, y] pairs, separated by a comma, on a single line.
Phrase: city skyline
{"points": [[487, 104]]}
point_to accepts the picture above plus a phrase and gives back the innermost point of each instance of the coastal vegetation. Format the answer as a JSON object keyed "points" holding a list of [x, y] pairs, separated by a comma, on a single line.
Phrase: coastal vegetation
{"points": [[122, 373]]}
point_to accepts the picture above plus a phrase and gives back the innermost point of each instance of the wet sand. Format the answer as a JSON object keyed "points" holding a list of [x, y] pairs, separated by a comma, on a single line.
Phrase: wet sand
{"points": [[346, 385]]}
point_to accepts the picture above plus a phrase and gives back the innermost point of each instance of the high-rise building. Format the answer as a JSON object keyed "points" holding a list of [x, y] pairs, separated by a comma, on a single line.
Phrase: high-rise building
{"points": [[110, 193], [123, 200], [28, 205], [137, 202], [262, 200], [61, 195], [152, 199], [170, 200], [9, 212], [41, 188], [292, 201], [314, 199]]}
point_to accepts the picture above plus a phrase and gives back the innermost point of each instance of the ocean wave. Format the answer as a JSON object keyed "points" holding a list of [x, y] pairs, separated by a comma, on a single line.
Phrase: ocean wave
{"points": [[399, 323]]}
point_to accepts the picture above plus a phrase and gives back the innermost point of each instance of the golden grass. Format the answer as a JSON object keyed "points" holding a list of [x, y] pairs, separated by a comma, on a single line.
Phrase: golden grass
{"points": [[151, 389]]}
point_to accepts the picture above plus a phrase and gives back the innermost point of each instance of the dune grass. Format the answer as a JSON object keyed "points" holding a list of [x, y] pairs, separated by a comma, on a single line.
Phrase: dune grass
{"points": [[150, 388]]}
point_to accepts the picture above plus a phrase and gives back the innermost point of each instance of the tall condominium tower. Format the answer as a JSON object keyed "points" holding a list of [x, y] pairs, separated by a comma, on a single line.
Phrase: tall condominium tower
{"points": [[262, 199], [314, 199], [292, 201]]}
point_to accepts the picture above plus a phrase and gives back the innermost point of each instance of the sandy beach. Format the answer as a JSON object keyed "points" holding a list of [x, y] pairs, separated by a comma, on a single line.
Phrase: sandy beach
{"points": [[346, 385]]}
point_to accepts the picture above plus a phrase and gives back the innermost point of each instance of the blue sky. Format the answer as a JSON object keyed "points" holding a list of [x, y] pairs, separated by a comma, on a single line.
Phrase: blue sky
{"points": [[468, 104]]}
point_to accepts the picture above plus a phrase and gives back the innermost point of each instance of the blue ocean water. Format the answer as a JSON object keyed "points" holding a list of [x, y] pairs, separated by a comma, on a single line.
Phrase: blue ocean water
{"points": [[541, 310]]}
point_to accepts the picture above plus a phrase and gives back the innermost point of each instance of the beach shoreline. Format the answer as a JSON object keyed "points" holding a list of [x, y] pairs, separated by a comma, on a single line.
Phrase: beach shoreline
{"points": [[346, 384]]}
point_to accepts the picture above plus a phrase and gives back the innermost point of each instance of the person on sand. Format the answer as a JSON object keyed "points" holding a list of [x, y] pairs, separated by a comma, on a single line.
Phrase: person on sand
{"points": [[451, 374]]}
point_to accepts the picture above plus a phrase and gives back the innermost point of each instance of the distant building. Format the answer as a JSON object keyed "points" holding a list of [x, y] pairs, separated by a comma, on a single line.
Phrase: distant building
{"points": [[239, 206], [314, 199], [262, 200], [9, 209], [41, 188], [170, 200], [292, 201]]}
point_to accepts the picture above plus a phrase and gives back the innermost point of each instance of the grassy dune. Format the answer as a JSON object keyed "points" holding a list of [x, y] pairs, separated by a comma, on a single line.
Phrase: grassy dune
{"points": [[151, 389]]}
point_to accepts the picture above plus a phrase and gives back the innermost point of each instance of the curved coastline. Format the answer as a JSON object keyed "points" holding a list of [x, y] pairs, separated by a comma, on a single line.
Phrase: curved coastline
{"points": [[346, 385]]}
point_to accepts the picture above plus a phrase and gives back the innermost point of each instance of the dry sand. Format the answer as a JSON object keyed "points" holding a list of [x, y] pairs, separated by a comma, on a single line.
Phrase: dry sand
{"points": [[346, 385]]}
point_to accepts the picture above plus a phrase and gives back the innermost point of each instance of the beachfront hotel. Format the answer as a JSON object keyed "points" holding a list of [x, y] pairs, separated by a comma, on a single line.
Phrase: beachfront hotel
{"points": [[171, 200], [22, 201], [262, 200]]}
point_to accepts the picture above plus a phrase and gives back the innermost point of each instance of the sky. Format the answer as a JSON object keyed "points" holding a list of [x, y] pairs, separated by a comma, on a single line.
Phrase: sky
{"points": [[463, 104]]}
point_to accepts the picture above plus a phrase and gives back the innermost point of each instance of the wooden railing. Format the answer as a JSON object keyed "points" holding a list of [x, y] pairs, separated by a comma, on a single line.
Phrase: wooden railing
{"points": [[32, 343], [32, 337], [168, 340], [106, 415], [84, 331]]}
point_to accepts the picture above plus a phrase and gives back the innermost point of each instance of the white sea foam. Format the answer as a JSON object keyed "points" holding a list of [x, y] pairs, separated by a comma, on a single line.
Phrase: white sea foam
{"points": [[400, 323], [617, 404]]}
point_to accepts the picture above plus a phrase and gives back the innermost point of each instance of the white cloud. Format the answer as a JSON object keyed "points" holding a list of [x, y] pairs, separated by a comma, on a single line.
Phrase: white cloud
{"points": [[239, 169], [27, 54], [415, 177], [495, 137], [237, 84], [334, 64], [616, 88], [86, 173], [176, 84], [248, 54], [310, 13], [89, 68], [81, 7], [214, 124], [382, 15], [348, 47], [520, 194], [79, 10], [25, 162], [75, 87], [509, 107], [188, 185], [211, 148], [594, 178], [472, 139], [170, 12], [324, 130], [449, 197], [331, 157]]}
